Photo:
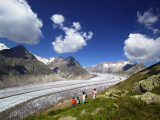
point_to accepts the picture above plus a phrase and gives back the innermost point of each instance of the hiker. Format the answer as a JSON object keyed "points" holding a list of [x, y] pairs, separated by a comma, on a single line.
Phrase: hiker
{"points": [[78, 101], [94, 92], [73, 102], [83, 97]]}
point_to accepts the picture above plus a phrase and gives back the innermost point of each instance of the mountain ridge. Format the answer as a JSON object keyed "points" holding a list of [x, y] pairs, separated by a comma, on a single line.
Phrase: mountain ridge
{"points": [[19, 67], [69, 68], [123, 68]]}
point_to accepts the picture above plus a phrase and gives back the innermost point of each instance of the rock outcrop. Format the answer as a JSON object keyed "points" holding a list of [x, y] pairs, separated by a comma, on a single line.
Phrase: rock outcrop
{"points": [[148, 97], [111, 93], [83, 113], [147, 84], [96, 111], [134, 81], [68, 118]]}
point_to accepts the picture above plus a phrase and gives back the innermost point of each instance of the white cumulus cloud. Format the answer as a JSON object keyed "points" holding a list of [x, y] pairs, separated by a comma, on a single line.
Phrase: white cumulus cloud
{"points": [[140, 48], [148, 19], [57, 19], [18, 22], [77, 25], [73, 40]]}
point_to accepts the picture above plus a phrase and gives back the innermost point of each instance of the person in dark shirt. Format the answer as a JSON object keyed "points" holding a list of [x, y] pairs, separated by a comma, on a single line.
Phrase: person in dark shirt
{"points": [[78, 101]]}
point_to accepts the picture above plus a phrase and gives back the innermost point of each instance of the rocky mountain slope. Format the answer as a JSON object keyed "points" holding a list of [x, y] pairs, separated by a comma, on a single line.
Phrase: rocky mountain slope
{"points": [[69, 68], [124, 68], [18, 67], [144, 79]]}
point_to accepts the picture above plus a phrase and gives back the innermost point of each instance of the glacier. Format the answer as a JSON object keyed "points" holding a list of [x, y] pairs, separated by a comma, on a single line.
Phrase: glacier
{"points": [[21, 101]]}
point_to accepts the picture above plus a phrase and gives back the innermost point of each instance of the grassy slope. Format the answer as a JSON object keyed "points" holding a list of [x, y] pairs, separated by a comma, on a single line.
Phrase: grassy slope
{"points": [[128, 108], [128, 83]]}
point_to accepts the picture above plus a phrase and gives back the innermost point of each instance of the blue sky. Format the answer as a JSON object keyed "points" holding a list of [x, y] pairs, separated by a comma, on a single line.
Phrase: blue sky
{"points": [[111, 23]]}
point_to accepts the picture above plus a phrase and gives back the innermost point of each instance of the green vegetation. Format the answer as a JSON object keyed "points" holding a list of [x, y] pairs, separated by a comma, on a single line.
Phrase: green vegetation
{"points": [[123, 108], [156, 90], [128, 83], [117, 101]]}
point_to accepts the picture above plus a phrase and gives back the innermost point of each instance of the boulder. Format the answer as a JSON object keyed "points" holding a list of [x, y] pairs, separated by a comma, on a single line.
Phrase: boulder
{"points": [[112, 93], [115, 105], [102, 96], [125, 93], [83, 112], [148, 97], [147, 84], [68, 118], [96, 111]]}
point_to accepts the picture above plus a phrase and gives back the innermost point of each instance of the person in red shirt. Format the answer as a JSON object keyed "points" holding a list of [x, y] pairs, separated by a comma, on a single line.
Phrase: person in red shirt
{"points": [[73, 102]]}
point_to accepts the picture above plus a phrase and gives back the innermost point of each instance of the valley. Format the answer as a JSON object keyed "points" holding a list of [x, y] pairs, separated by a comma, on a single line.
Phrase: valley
{"points": [[79, 60], [30, 84], [37, 97]]}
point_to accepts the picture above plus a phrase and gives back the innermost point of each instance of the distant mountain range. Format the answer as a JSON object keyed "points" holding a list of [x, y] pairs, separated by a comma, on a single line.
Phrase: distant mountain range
{"points": [[19, 67], [123, 68]]}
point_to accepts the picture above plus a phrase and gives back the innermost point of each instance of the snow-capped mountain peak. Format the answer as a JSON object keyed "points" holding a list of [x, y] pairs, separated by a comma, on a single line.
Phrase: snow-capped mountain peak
{"points": [[117, 64], [45, 60], [3, 46], [110, 67], [120, 67]]}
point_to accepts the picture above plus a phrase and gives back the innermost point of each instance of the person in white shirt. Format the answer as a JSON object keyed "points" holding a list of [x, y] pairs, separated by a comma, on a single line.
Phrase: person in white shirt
{"points": [[83, 97], [94, 93]]}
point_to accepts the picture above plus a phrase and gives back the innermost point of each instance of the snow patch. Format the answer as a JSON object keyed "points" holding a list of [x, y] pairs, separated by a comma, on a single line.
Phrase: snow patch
{"points": [[45, 60], [3, 46]]}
